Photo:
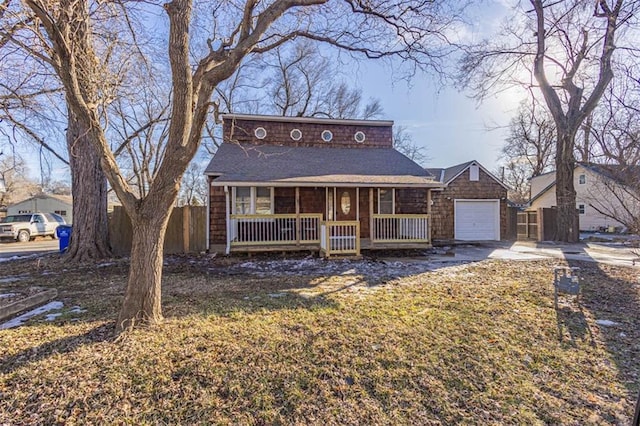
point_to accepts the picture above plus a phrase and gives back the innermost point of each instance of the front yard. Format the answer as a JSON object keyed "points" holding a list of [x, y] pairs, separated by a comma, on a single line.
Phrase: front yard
{"points": [[310, 341]]}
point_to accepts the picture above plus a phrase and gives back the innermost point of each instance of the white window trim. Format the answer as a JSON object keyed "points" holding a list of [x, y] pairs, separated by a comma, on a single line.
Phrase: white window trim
{"points": [[393, 200], [474, 173], [582, 179], [253, 197], [584, 208]]}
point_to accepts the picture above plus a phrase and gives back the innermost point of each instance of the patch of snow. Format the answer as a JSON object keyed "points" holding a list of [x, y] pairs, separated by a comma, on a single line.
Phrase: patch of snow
{"points": [[10, 280], [20, 320], [7, 295], [12, 258], [77, 310], [104, 265], [51, 317], [607, 323], [276, 295]]}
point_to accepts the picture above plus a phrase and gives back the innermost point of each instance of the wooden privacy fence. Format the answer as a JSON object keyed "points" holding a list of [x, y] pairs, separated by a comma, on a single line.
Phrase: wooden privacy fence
{"points": [[186, 231], [539, 225], [528, 225]]}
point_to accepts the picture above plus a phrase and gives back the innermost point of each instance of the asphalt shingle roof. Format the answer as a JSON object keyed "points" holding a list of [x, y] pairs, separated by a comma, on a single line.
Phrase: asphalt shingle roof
{"points": [[298, 165]]}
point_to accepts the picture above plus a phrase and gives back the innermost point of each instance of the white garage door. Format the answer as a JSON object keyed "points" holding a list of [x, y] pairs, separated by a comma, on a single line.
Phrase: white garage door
{"points": [[477, 220]]}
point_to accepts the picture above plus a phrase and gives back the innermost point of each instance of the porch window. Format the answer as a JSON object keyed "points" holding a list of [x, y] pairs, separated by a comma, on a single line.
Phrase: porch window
{"points": [[386, 201], [582, 179], [263, 200], [581, 208], [252, 200]]}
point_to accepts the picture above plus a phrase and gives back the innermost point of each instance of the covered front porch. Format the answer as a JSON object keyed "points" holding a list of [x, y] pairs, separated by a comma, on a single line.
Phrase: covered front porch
{"points": [[336, 220]]}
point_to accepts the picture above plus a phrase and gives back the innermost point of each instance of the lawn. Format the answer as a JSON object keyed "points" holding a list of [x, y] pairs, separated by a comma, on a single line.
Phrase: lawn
{"points": [[308, 341]]}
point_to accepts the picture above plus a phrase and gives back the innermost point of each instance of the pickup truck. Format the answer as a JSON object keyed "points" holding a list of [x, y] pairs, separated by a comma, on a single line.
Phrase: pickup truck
{"points": [[25, 227]]}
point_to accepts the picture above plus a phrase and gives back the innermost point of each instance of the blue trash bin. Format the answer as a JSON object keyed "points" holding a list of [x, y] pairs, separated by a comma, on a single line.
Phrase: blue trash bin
{"points": [[64, 235]]}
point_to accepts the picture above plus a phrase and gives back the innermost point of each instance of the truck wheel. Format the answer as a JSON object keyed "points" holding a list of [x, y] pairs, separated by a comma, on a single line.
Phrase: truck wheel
{"points": [[23, 236]]}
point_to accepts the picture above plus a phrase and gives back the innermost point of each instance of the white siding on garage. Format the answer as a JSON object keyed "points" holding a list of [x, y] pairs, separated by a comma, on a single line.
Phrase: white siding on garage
{"points": [[477, 220]]}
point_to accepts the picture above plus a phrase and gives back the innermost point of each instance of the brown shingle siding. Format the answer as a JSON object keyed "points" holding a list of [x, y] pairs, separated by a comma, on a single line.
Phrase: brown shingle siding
{"points": [[217, 215], [279, 133], [442, 217]]}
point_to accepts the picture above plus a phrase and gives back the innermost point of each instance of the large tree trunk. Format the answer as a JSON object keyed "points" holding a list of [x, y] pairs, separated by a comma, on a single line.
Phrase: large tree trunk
{"points": [[89, 188], [565, 192], [142, 303]]}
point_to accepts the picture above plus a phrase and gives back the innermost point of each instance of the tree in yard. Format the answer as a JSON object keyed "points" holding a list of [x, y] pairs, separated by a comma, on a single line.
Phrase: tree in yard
{"points": [[414, 32], [528, 149], [568, 48], [33, 108]]}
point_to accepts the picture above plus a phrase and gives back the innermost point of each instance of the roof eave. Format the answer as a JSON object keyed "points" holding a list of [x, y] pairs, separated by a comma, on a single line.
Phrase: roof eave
{"points": [[434, 185], [373, 123]]}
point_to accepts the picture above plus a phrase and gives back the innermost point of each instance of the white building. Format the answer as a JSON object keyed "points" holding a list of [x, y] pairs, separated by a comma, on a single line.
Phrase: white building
{"points": [[60, 204], [599, 196]]}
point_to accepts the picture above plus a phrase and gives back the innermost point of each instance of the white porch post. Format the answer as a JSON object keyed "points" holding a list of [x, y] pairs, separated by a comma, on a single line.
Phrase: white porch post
{"points": [[371, 221], [228, 218], [297, 215]]}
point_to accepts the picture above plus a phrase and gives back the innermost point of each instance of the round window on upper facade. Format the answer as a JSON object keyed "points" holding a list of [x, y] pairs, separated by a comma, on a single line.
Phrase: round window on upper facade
{"points": [[260, 133], [359, 137], [327, 135], [296, 134]]}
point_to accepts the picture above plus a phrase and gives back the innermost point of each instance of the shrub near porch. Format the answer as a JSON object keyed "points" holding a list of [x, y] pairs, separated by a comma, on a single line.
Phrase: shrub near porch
{"points": [[310, 341]]}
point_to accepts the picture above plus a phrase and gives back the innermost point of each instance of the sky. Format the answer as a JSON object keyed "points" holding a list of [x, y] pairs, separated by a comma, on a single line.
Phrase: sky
{"points": [[453, 127]]}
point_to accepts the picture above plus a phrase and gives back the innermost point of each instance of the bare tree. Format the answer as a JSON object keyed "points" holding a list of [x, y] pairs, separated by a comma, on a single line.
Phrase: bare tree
{"points": [[302, 81], [193, 189], [13, 175], [32, 101], [404, 143], [615, 126], [411, 31], [568, 47], [528, 149], [531, 138]]}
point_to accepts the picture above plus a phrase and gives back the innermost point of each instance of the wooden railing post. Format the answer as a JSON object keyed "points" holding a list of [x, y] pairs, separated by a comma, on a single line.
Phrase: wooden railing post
{"points": [[186, 225]]}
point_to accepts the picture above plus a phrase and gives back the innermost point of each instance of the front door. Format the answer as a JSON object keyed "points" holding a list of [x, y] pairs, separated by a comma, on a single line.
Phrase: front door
{"points": [[346, 204]]}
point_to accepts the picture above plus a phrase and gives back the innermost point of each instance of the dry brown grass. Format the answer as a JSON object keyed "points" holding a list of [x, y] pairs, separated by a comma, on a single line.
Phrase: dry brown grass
{"points": [[475, 344]]}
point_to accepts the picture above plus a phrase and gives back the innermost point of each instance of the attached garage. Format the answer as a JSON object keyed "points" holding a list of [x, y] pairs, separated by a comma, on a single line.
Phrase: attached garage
{"points": [[477, 220], [471, 207]]}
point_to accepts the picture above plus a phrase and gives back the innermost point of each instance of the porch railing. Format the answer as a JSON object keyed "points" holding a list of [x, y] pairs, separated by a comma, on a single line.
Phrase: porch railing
{"points": [[340, 238], [392, 228], [274, 229]]}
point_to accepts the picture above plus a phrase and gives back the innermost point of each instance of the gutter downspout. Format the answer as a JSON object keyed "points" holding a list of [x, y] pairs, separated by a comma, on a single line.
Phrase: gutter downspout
{"points": [[208, 221], [227, 219]]}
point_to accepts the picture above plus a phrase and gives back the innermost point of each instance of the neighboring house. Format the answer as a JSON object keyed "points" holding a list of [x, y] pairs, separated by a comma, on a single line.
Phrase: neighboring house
{"points": [[601, 196], [59, 204], [283, 183], [471, 206]]}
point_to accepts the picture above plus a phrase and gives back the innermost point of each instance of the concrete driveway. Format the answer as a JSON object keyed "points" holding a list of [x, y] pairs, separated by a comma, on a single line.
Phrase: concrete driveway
{"points": [[10, 249], [524, 250]]}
